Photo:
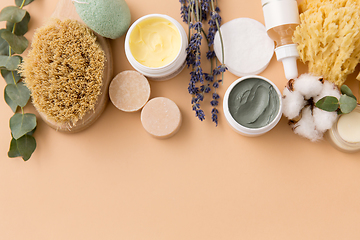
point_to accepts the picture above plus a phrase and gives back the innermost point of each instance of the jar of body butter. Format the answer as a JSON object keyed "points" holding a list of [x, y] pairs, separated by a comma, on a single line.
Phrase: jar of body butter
{"points": [[155, 46], [252, 105], [345, 133]]}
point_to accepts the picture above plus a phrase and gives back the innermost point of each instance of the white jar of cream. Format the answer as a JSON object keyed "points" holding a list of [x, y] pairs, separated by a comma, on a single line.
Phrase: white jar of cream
{"points": [[345, 133], [252, 105], [155, 46]]}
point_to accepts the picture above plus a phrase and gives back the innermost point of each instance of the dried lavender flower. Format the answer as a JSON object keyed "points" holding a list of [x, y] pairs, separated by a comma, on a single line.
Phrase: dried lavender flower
{"points": [[194, 13]]}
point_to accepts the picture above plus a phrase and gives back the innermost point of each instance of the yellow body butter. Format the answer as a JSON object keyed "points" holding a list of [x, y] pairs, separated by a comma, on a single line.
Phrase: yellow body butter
{"points": [[345, 134], [349, 127], [155, 42]]}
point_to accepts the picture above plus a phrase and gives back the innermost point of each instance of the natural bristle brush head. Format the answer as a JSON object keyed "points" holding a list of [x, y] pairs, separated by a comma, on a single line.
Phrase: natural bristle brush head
{"points": [[64, 70]]}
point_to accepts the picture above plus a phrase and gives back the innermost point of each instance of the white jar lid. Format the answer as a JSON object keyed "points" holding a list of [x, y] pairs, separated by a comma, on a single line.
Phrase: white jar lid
{"points": [[247, 47]]}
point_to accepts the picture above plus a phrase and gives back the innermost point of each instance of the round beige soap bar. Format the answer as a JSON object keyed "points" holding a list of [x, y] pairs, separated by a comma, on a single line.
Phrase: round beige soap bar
{"points": [[129, 91], [161, 117]]}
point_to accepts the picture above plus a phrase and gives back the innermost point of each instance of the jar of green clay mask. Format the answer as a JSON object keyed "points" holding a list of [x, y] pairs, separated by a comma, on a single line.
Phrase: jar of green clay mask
{"points": [[252, 105]]}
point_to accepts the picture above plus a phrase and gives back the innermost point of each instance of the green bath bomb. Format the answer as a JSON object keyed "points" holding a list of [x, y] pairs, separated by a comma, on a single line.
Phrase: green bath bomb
{"points": [[108, 18]]}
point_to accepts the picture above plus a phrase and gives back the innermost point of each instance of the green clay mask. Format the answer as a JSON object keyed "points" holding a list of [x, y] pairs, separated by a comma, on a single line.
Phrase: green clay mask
{"points": [[253, 103]]}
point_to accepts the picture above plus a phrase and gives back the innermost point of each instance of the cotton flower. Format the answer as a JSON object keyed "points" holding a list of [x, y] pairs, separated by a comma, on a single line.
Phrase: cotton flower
{"points": [[299, 98], [306, 126], [293, 103], [308, 85], [323, 120], [328, 89]]}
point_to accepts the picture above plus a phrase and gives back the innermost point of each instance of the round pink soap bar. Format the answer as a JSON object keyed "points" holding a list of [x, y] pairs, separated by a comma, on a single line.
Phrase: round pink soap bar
{"points": [[129, 91], [161, 117]]}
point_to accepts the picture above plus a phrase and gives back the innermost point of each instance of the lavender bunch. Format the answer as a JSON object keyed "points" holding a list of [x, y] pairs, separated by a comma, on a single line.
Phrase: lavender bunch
{"points": [[195, 13]]}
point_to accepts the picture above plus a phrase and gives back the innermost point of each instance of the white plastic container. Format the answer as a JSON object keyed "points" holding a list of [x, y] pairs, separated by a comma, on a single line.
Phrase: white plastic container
{"points": [[281, 18], [247, 131], [164, 72]]}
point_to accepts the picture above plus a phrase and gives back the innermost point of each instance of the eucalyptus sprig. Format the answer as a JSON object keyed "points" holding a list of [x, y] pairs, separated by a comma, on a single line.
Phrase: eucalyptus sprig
{"points": [[16, 94], [345, 104]]}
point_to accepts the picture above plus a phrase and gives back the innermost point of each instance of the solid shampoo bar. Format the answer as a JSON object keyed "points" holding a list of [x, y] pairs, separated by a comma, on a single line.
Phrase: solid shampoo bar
{"points": [[129, 91], [161, 117]]}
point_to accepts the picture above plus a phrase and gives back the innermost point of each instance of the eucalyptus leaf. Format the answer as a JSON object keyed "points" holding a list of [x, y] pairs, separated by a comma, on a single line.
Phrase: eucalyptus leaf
{"points": [[20, 28], [12, 41], [20, 124], [3, 61], [346, 90], [17, 43], [12, 14], [10, 102], [13, 62], [26, 145], [4, 46], [10, 76], [19, 2], [13, 151], [31, 132], [328, 103], [347, 104], [18, 93]]}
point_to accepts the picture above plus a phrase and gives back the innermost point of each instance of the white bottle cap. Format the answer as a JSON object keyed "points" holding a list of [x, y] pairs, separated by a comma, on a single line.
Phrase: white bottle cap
{"points": [[288, 55], [280, 12]]}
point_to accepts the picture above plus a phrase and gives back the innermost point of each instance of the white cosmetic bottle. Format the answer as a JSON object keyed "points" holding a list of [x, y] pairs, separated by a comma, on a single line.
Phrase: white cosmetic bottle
{"points": [[281, 18]]}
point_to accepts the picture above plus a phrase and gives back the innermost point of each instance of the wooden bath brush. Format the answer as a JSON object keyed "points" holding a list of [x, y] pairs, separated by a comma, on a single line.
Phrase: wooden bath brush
{"points": [[68, 71]]}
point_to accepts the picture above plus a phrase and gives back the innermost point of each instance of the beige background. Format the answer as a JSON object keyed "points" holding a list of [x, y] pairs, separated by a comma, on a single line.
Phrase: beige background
{"points": [[114, 181]]}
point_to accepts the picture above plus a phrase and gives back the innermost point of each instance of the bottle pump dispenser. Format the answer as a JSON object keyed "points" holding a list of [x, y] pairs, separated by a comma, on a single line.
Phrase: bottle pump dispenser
{"points": [[281, 18]]}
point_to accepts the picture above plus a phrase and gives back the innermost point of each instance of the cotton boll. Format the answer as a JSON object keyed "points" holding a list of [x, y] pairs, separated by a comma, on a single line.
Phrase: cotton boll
{"points": [[323, 120], [308, 85], [306, 126], [299, 106], [293, 102], [329, 89]]}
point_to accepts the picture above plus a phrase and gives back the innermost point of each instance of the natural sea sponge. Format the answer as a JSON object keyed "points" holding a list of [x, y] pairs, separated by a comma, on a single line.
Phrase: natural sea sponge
{"points": [[64, 70], [108, 18], [328, 37]]}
